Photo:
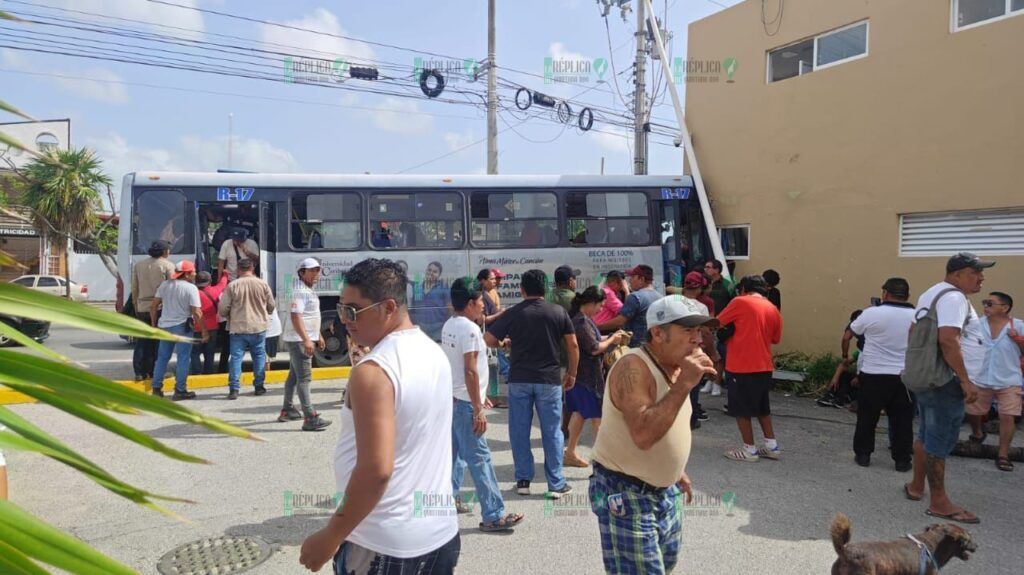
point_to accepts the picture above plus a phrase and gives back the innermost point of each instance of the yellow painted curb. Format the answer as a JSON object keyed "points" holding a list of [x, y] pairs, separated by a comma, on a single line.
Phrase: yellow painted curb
{"points": [[9, 397]]}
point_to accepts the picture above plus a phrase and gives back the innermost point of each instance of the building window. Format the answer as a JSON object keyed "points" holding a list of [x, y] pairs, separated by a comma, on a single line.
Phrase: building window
{"points": [[326, 221], [514, 219], [986, 232], [735, 241], [822, 51], [413, 221], [971, 13], [598, 218]]}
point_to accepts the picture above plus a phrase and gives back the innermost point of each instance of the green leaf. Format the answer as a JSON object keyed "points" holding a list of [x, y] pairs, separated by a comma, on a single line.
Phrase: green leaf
{"points": [[15, 562], [14, 143], [24, 302], [13, 333], [102, 420], [8, 16], [72, 382], [11, 109], [9, 440], [43, 542], [6, 260]]}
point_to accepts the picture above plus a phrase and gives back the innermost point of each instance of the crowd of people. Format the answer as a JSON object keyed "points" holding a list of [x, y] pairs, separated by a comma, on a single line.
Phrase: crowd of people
{"points": [[621, 357]]}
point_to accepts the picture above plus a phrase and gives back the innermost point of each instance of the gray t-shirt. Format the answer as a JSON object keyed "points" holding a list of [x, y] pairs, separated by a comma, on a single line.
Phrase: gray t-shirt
{"points": [[178, 297]]}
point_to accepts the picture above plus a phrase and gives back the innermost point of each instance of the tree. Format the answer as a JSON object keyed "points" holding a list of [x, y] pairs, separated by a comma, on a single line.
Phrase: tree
{"points": [[63, 192]]}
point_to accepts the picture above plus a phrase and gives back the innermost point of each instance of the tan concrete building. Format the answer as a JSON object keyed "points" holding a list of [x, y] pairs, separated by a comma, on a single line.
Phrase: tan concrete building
{"points": [[853, 140]]}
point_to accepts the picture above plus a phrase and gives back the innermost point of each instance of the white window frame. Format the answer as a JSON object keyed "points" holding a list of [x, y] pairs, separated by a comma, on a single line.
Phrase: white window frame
{"points": [[934, 253], [734, 226], [814, 57], [954, 4]]}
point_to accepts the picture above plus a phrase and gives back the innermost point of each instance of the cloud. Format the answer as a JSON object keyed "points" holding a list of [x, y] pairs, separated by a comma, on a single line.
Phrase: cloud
{"points": [[558, 51], [402, 116], [459, 140], [612, 138], [148, 12], [13, 59], [106, 89], [193, 154], [317, 45]]}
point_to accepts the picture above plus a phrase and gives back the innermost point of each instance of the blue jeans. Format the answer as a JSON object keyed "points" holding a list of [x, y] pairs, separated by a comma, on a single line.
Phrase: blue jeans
{"points": [[503, 365], [183, 350], [522, 397], [942, 413], [470, 450], [256, 343]]}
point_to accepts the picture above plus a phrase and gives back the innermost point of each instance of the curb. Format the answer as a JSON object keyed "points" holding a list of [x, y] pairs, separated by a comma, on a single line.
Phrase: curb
{"points": [[10, 397]]}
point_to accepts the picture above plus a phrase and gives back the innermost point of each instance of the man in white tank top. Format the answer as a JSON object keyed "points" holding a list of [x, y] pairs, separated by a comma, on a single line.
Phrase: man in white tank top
{"points": [[643, 445], [393, 460]]}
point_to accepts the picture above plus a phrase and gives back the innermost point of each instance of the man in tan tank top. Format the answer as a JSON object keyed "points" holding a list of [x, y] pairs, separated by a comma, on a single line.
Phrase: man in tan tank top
{"points": [[644, 442]]}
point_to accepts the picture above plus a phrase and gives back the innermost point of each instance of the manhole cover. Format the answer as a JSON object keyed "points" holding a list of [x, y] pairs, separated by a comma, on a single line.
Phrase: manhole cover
{"points": [[215, 556]]}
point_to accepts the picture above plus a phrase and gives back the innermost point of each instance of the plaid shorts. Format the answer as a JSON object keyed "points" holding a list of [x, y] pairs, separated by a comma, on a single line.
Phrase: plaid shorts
{"points": [[640, 530]]}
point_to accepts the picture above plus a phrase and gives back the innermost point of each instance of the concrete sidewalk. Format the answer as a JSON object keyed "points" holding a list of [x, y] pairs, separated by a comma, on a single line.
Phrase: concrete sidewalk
{"points": [[766, 517]]}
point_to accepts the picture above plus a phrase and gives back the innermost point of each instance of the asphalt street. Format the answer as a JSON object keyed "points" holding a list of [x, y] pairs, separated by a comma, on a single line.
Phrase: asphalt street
{"points": [[764, 517]]}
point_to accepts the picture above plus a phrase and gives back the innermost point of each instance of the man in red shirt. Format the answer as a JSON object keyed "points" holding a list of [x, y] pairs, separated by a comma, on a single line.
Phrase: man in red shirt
{"points": [[209, 297], [756, 326]]}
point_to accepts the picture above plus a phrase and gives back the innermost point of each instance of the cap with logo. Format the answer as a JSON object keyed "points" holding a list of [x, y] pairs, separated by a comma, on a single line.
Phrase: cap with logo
{"points": [[565, 273], [678, 310], [308, 264], [964, 260], [183, 267]]}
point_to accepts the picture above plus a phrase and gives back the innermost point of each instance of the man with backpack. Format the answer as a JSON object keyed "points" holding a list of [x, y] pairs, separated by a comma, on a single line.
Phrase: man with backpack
{"points": [[945, 346]]}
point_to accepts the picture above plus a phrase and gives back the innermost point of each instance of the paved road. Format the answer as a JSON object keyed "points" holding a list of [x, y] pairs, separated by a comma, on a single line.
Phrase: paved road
{"points": [[104, 354], [778, 522]]}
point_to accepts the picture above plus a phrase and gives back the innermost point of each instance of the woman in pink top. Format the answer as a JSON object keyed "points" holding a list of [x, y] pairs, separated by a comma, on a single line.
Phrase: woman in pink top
{"points": [[209, 297], [612, 303]]}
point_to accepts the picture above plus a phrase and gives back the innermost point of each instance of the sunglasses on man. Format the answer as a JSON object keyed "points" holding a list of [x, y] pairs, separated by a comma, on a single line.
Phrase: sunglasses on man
{"points": [[990, 303], [350, 313]]}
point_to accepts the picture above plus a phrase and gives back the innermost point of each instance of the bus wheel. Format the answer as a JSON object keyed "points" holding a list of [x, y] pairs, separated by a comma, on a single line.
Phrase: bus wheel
{"points": [[335, 352]]}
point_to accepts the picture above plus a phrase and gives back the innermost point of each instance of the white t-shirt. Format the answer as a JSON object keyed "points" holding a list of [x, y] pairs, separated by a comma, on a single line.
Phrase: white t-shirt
{"points": [[227, 253], [885, 329], [416, 515], [954, 310], [460, 336], [177, 298], [306, 303]]}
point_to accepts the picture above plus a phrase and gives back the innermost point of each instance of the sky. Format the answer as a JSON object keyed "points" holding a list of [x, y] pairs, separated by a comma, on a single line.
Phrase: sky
{"points": [[139, 117]]}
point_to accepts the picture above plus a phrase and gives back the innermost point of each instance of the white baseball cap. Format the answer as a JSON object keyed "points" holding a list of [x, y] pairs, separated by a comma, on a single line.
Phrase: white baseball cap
{"points": [[679, 310], [308, 264]]}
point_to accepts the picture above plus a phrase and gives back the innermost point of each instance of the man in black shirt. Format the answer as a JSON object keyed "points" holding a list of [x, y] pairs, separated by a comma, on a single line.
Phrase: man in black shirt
{"points": [[536, 330]]}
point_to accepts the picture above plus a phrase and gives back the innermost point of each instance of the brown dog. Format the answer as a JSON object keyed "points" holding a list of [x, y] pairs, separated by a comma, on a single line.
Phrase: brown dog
{"points": [[900, 557]]}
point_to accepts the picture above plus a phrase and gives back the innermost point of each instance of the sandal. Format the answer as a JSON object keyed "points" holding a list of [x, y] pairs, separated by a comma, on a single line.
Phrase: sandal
{"points": [[906, 491], [961, 516], [506, 523], [462, 508], [979, 440], [570, 460], [1004, 463]]}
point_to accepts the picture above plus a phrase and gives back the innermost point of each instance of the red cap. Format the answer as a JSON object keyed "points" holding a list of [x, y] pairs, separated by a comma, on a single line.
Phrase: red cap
{"points": [[498, 273], [695, 279], [644, 271], [183, 267]]}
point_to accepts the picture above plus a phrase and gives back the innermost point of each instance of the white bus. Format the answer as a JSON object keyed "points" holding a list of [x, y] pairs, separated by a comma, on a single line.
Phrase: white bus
{"points": [[441, 227]]}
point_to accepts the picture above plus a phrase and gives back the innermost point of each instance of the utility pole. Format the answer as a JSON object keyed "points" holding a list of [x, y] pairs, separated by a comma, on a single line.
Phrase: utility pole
{"points": [[492, 95], [640, 93]]}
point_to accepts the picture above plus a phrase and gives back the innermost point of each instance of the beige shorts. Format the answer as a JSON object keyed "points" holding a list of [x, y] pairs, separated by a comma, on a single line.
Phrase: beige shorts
{"points": [[1008, 401]]}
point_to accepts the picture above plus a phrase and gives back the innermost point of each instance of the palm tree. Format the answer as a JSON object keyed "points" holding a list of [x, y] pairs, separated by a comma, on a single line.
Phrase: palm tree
{"points": [[63, 192]]}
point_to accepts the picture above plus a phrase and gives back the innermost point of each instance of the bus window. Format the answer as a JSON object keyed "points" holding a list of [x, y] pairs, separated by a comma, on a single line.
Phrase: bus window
{"points": [[160, 215], [326, 221], [412, 221], [613, 218], [514, 219]]}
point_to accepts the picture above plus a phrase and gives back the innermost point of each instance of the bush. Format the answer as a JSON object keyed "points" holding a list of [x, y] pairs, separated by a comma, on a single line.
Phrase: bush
{"points": [[817, 370]]}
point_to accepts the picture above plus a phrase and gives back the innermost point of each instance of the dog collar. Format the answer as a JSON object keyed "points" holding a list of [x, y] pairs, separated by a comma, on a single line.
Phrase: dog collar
{"points": [[924, 557]]}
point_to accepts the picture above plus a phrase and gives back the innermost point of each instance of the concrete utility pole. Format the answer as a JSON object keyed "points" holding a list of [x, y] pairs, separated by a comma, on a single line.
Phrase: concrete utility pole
{"points": [[231, 117], [640, 93], [492, 95]]}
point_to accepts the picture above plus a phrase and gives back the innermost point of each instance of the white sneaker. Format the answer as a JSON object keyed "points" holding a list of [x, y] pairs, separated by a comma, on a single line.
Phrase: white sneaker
{"points": [[706, 388], [716, 390]]}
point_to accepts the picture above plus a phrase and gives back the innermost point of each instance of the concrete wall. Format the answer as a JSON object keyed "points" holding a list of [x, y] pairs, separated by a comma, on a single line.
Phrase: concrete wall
{"points": [[88, 269], [822, 165]]}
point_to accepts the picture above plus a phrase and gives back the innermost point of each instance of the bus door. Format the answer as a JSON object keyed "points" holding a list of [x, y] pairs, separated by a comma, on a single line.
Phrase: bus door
{"points": [[214, 223], [683, 247], [268, 243]]}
